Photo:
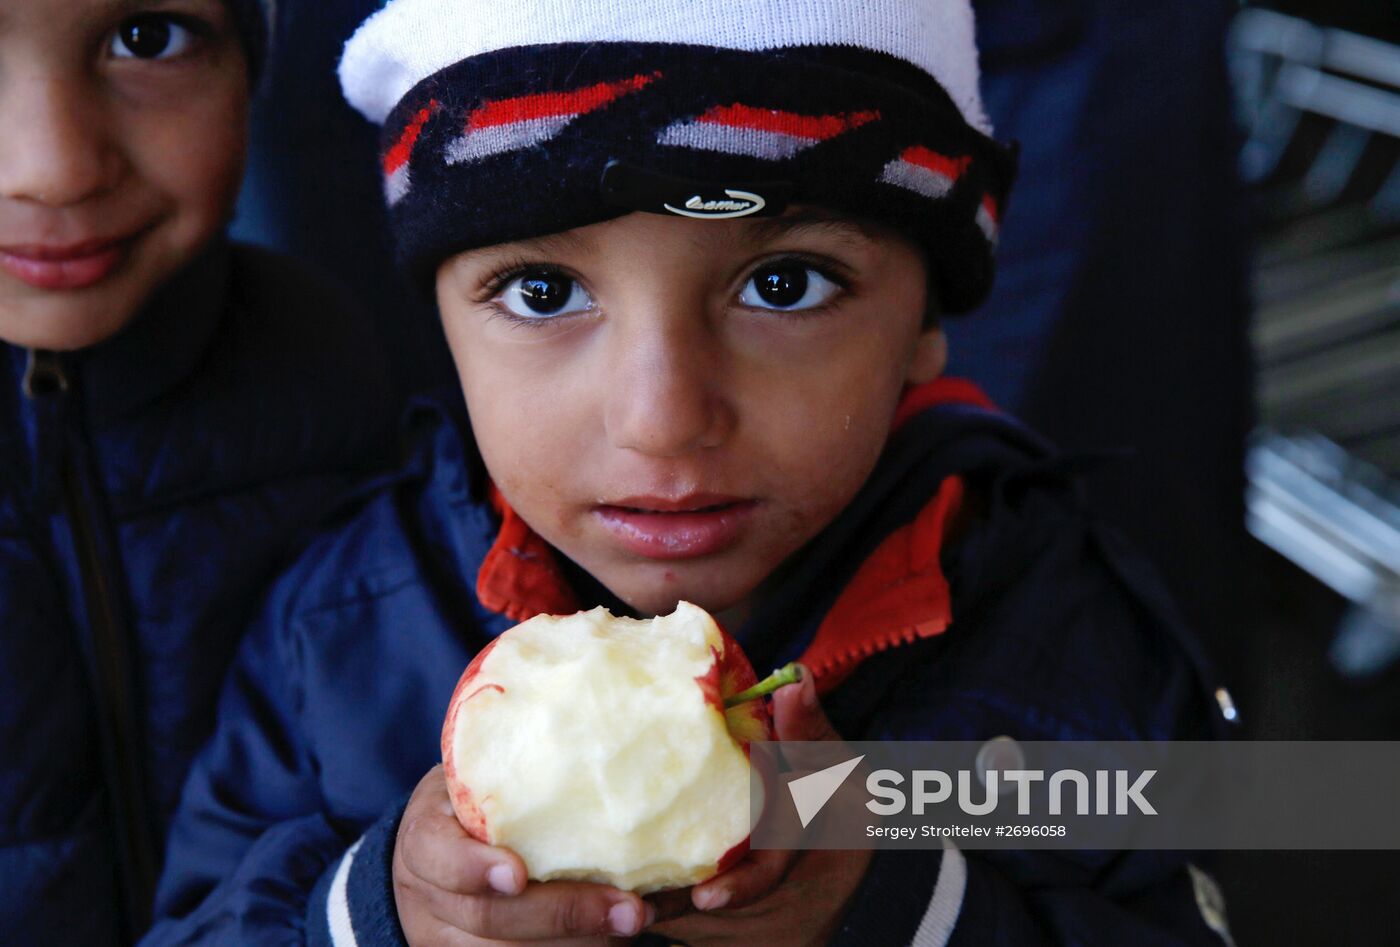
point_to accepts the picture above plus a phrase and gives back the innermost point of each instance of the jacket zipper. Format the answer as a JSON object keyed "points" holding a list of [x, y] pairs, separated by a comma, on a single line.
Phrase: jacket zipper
{"points": [[46, 378]]}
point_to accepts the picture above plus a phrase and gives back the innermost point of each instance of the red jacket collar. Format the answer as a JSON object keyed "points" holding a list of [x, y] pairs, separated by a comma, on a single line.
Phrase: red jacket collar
{"points": [[937, 392], [520, 577], [899, 594]]}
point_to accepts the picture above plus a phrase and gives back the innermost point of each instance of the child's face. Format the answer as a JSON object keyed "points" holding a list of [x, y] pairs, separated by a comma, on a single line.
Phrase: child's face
{"points": [[124, 125], [679, 405]]}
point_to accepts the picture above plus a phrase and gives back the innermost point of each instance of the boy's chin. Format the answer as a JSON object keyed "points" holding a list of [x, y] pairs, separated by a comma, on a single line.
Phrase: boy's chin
{"points": [[720, 600], [67, 320], [66, 332]]}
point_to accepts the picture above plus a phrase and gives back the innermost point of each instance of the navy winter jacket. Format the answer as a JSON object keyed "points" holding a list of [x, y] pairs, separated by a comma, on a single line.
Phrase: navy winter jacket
{"points": [[150, 486], [333, 709]]}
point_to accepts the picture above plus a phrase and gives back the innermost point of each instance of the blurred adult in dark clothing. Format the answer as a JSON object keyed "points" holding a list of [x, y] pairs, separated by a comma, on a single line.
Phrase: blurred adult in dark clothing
{"points": [[1119, 319]]}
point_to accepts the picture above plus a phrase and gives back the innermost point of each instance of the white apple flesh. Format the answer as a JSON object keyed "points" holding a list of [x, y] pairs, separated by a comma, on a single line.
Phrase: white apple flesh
{"points": [[598, 748]]}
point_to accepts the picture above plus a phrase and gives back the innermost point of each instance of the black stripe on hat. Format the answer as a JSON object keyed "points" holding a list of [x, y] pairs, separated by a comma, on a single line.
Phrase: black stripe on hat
{"points": [[513, 144]]}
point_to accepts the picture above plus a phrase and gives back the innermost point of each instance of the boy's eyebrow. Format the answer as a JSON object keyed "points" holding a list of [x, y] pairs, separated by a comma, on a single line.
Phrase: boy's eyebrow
{"points": [[128, 7], [115, 8], [763, 229], [563, 241]]}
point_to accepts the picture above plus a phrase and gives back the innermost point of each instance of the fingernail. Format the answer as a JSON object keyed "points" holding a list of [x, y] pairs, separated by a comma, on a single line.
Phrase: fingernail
{"points": [[624, 919], [712, 899], [809, 691], [501, 878]]}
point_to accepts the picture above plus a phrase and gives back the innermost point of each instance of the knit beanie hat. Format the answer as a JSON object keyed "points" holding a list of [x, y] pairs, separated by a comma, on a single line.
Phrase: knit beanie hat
{"points": [[510, 119], [254, 19]]}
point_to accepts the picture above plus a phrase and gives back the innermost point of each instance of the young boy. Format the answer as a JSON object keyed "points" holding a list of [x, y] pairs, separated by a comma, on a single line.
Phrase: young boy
{"points": [[172, 412], [689, 257]]}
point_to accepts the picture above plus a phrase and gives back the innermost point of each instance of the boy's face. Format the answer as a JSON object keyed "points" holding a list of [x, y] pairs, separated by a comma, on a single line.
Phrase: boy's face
{"points": [[679, 405], [124, 131]]}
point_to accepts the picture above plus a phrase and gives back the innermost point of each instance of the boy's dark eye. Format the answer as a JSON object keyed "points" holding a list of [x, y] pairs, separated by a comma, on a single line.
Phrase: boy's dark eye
{"points": [[542, 294], [546, 294], [782, 286], [787, 285], [150, 36]]}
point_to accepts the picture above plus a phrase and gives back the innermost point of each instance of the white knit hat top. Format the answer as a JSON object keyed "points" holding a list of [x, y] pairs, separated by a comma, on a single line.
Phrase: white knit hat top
{"points": [[410, 40]]}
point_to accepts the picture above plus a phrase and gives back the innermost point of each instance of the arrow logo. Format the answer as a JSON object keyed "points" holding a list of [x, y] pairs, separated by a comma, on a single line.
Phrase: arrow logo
{"points": [[811, 792]]}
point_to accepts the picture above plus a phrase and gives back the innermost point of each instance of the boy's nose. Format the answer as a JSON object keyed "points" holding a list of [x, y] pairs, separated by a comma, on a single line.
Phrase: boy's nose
{"points": [[55, 149], [666, 394]]}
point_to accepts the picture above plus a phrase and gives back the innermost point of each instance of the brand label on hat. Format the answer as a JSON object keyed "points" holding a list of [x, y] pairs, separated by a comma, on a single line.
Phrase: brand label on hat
{"points": [[658, 193], [736, 204]]}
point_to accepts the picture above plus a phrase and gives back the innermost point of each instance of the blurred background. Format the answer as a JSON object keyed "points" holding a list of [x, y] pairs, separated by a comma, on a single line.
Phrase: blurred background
{"points": [[1198, 291], [1318, 95]]}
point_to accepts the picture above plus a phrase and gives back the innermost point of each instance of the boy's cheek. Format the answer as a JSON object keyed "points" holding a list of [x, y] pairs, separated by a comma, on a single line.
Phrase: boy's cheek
{"points": [[200, 188]]}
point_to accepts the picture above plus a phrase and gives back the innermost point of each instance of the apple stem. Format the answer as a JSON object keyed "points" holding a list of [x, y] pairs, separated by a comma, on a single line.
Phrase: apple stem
{"points": [[787, 674]]}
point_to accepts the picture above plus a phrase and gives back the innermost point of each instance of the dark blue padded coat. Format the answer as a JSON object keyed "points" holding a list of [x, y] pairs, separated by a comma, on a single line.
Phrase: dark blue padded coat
{"points": [[149, 489], [333, 709]]}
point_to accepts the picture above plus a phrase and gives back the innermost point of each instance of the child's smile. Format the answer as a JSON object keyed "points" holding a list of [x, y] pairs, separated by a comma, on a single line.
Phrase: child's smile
{"points": [[680, 405], [76, 265]]}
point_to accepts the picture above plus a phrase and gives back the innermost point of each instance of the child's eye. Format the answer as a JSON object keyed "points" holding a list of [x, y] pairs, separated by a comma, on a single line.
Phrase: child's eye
{"points": [[151, 36], [543, 294], [789, 286]]}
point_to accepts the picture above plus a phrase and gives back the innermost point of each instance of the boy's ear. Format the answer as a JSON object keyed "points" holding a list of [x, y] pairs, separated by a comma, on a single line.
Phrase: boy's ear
{"points": [[930, 357]]}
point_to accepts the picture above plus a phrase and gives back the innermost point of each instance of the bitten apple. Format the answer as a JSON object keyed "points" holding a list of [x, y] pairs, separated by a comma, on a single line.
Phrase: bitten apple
{"points": [[599, 748]]}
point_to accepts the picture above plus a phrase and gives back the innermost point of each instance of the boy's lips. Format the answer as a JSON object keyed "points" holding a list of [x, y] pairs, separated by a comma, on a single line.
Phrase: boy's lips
{"points": [[66, 266], [661, 528]]}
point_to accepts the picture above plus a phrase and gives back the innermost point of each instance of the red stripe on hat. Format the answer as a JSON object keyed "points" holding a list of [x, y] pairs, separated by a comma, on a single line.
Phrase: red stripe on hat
{"points": [[951, 168], [398, 155], [818, 127], [990, 206], [551, 104]]}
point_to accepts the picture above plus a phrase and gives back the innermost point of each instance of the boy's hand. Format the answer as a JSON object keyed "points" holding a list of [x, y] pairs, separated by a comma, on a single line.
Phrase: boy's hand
{"points": [[452, 890], [772, 897]]}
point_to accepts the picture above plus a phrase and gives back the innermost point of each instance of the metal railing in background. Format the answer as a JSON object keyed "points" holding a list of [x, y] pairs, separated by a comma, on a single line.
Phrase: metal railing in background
{"points": [[1321, 108], [1339, 519]]}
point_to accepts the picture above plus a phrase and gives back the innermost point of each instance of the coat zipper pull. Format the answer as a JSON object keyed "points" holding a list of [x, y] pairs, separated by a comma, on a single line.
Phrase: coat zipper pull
{"points": [[45, 375]]}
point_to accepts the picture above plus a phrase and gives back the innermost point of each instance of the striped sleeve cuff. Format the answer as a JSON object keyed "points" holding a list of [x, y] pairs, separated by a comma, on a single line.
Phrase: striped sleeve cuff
{"points": [[353, 903], [907, 897]]}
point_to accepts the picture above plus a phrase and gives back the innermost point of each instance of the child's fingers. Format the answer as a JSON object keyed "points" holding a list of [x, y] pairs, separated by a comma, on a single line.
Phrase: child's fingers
{"points": [[755, 876], [434, 848], [552, 911], [438, 851], [798, 714], [672, 903]]}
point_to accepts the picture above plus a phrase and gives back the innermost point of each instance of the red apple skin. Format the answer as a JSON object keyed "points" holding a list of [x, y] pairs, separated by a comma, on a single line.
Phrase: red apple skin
{"points": [[730, 673], [468, 813]]}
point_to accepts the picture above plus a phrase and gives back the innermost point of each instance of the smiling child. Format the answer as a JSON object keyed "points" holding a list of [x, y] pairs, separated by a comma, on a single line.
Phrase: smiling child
{"points": [[691, 259], [172, 412]]}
